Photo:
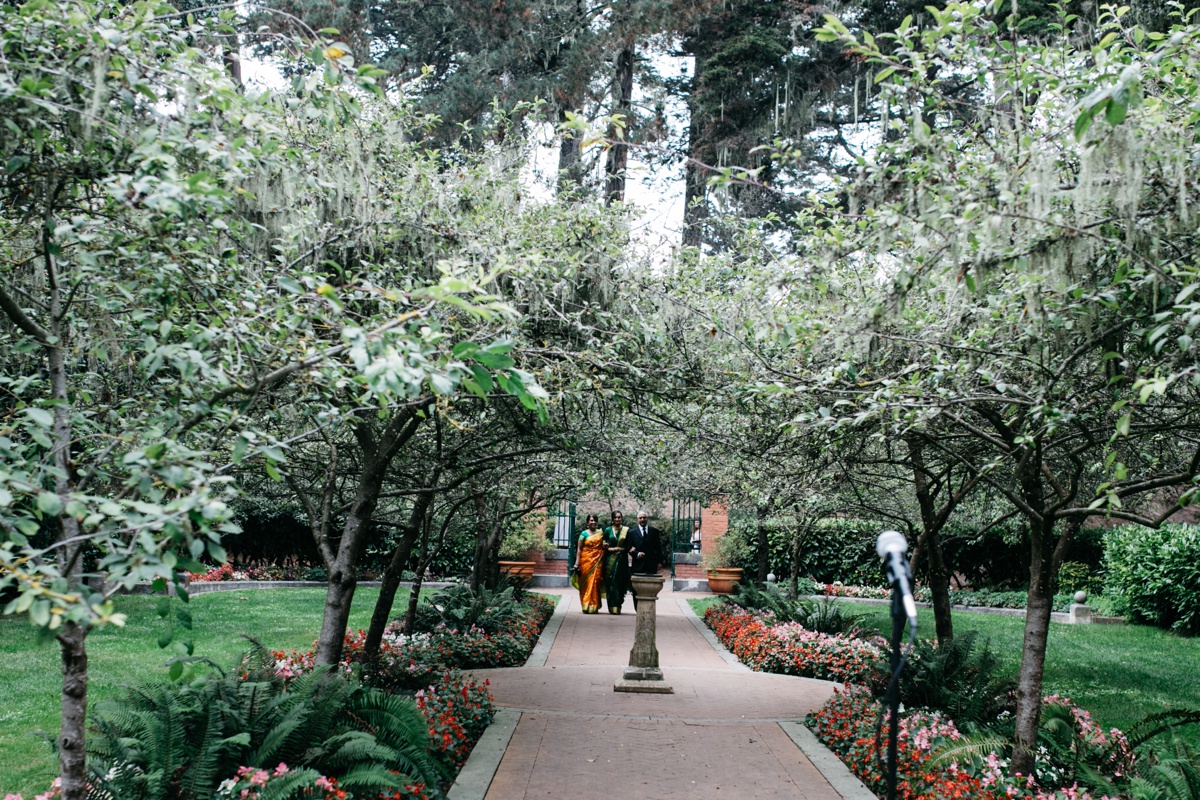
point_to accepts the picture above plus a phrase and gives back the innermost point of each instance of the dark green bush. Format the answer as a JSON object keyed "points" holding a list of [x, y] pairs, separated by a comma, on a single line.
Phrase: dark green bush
{"points": [[170, 739], [1157, 573], [823, 616]]}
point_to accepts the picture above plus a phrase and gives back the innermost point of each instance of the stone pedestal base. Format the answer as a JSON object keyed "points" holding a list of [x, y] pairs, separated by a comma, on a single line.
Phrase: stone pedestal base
{"points": [[643, 676], [643, 687], [1081, 614]]}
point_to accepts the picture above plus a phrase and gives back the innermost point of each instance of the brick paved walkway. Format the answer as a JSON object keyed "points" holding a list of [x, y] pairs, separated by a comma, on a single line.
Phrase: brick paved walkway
{"points": [[725, 730]]}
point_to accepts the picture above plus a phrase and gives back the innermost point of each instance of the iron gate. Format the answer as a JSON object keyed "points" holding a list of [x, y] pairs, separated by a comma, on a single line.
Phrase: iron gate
{"points": [[685, 513]]}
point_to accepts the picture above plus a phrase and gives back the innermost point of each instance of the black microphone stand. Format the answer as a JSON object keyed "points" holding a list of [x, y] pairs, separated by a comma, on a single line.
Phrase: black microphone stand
{"points": [[899, 617]]}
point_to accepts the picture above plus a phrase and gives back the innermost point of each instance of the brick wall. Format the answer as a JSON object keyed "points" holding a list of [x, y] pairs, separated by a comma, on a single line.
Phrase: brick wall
{"points": [[714, 524], [555, 564]]}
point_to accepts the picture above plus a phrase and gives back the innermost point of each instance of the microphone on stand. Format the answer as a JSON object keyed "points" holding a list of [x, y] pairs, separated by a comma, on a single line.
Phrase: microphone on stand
{"points": [[891, 547]]}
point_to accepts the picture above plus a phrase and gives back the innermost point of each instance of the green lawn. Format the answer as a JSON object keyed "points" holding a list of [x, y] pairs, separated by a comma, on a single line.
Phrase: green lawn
{"points": [[30, 679], [1120, 673]]}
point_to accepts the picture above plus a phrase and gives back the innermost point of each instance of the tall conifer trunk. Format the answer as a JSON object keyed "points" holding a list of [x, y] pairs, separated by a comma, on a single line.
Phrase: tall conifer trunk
{"points": [[695, 212], [617, 163]]}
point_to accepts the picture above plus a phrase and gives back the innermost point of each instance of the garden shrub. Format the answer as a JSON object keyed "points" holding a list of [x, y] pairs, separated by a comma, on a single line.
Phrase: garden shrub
{"points": [[408, 662], [1157, 574], [768, 598], [460, 607]]}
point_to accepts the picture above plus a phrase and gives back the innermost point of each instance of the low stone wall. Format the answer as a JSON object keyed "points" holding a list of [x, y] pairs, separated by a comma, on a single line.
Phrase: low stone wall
{"points": [[1055, 616], [205, 587]]}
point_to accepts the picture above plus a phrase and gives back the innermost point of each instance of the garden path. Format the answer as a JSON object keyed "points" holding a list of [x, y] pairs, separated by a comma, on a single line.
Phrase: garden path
{"points": [[563, 732]]}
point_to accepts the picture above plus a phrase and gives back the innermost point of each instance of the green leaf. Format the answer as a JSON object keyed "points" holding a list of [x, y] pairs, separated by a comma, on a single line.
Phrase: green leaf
{"points": [[494, 360], [482, 377], [1118, 107], [175, 671], [166, 637], [39, 613], [1083, 122], [441, 384], [290, 285], [1123, 425], [49, 504], [884, 74], [41, 416], [474, 388]]}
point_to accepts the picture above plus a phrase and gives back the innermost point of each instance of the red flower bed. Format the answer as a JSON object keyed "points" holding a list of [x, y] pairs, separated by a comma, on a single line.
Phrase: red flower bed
{"points": [[847, 725], [789, 649]]}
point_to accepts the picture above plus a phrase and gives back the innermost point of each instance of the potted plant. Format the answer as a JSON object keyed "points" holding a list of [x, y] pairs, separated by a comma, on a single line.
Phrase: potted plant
{"points": [[719, 561], [518, 548]]}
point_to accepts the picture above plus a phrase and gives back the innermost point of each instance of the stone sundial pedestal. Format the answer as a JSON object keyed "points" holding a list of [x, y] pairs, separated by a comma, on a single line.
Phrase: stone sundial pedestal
{"points": [[643, 675]]}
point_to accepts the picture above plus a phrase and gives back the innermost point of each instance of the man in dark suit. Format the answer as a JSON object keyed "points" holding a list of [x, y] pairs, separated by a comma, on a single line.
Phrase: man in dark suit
{"points": [[645, 546]]}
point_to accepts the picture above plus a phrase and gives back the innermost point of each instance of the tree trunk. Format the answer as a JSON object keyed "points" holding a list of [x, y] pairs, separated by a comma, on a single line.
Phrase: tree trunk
{"points": [[1045, 557], [618, 154], [695, 212], [763, 567], [343, 571], [570, 165], [794, 562], [939, 585], [931, 523], [414, 595], [389, 584], [1038, 604], [72, 757]]}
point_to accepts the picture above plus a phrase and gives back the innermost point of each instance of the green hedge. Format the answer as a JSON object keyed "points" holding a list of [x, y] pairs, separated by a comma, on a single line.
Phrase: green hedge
{"points": [[1157, 574]]}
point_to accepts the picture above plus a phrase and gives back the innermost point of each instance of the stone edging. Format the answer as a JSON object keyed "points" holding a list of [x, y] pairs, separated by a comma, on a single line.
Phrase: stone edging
{"points": [[843, 781], [541, 650], [476, 776], [710, 637]]}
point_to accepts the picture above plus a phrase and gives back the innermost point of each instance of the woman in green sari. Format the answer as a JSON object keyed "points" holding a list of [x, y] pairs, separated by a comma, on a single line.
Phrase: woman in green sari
{"points": [[588, 576], [616, 563]]}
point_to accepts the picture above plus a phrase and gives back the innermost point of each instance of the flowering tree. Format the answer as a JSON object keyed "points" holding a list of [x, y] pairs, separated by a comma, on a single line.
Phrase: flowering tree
{"points": [[1025, 224], [164, 268]]}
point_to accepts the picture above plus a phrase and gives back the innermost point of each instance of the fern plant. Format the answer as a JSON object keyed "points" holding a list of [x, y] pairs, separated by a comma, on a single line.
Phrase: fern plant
{"points": [[959, 677], [460, 607], [1175, 776], [178, 740], [767, 598]]}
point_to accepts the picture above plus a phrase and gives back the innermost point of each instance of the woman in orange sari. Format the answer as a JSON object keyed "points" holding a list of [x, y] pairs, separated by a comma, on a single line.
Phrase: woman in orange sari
{"points": [[589, 565]]}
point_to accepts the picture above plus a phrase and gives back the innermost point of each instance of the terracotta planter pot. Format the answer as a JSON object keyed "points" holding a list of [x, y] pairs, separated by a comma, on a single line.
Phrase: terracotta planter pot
{"points": [[724, 579], [518, 570]]}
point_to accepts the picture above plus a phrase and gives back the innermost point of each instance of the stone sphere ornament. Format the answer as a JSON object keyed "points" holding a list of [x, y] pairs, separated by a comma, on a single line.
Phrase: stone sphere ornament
{"points": [[1081, 596]]}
